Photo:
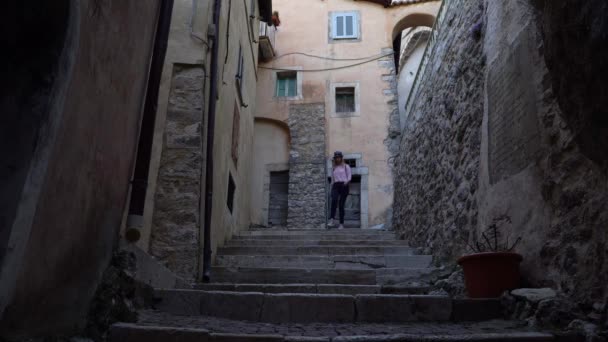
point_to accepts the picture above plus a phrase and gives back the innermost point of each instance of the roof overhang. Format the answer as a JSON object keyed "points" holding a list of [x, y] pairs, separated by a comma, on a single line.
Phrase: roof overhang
{"points": [[265, 10]]}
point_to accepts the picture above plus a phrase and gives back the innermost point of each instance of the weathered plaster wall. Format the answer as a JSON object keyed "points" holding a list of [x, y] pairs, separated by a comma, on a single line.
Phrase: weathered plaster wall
{"points": [[406, 79], [534, 157], [182, 49], [437, 168], [79, 175], [187, 47], [305, 29], [558, 200], [271, 150]]}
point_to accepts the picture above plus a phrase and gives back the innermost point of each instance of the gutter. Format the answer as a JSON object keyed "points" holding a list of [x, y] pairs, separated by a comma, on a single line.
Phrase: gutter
{"points": [[213, 94]]}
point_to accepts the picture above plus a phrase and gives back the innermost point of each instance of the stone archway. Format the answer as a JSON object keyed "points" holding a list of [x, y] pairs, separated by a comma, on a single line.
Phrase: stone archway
{"points": [[410, 36]]}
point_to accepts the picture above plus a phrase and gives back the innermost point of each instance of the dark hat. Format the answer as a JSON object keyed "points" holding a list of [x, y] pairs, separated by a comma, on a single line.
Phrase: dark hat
{"points": [[338, 154]]}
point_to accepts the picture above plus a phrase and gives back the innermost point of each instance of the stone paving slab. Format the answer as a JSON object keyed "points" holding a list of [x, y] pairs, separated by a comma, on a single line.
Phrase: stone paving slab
{"points": [[326, 237], [313, 307], [347, 231], [318, 250], [335, 261], [314, 288], [494, 330], [286, 275], [353, 241]]}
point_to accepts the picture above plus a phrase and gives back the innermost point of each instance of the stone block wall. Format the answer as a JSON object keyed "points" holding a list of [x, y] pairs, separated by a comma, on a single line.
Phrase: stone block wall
{"points": [[176, 221], [507, 122], [307, 182], [437, 164]]}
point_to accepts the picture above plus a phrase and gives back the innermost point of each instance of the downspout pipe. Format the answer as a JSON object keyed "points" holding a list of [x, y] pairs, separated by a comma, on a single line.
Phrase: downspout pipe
{"points": [[146, 133], [213, 92]]}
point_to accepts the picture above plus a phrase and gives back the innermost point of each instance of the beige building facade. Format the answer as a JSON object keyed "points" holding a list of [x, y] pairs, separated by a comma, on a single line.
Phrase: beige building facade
{"points": [[172, 225], [339, 54]]}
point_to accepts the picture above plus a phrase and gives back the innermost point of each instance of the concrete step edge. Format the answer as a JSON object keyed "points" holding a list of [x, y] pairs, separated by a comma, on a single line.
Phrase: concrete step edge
{"points": [[314, 288], [125, 332], [339, 308]]}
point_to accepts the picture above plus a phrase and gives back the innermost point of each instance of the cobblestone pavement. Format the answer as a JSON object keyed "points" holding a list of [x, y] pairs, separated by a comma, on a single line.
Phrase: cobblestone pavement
{"points": [[218, 325]]}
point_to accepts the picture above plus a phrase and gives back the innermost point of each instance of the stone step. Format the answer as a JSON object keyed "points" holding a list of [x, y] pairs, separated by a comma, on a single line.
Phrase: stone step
{"points": [[387, 276], [347, 231], [325, 308], [128, 332], [318, 250], [316, 242], [278, 236], [314, 288], [337, 261]]}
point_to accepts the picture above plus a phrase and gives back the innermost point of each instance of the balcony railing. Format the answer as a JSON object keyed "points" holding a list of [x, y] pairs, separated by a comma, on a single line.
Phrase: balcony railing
{"points": [[267, 41]]}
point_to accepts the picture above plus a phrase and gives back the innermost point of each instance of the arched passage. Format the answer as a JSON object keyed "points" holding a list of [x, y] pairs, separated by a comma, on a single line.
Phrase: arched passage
{"points": [[410, 36], [271, 143]]}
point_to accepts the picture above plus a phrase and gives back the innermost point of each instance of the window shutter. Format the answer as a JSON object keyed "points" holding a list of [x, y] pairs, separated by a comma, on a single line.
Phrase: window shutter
{"points": [[350, 26], [280, 87], [345, 25], [292, 86], [339, 26]]}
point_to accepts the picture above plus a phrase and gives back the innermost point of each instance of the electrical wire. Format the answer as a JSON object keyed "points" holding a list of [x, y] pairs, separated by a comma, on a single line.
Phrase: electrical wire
{"points": [[323, 57], [328, 69]]}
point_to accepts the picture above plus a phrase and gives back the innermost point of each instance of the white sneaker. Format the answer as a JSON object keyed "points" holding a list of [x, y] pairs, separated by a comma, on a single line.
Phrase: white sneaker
{"points": [[331, 223], [341, 226]]}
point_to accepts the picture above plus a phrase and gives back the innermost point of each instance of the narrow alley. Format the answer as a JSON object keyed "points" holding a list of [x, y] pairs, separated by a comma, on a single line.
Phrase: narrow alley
{"points": [[304, 171]]}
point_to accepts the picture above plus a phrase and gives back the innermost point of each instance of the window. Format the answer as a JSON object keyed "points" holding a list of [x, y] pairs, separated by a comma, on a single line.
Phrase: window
{"points": [[351, 162], [345, 100], [236, 131], [345, 25], [231, 190], [287, 84]]}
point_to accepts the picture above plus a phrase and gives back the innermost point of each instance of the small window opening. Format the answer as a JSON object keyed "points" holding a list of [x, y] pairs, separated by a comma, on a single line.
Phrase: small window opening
{"points": [[345, 100], [287, 84], [351, 162], [231, 190]]}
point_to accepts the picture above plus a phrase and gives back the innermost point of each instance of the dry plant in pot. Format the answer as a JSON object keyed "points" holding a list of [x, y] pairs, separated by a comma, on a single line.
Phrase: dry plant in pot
{"points": [[493, 267]]}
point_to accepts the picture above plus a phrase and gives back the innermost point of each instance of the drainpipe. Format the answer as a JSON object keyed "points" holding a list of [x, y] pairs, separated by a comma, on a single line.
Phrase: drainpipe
{"points": [[141, 172], [213, 36]]}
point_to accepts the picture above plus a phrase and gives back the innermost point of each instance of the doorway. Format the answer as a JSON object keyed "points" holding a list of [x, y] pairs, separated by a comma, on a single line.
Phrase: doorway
{"points": [[277, 206]]}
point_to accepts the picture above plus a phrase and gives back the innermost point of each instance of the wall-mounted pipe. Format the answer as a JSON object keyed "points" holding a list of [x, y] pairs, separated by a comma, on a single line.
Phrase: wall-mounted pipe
{"points": [[213, 91]]}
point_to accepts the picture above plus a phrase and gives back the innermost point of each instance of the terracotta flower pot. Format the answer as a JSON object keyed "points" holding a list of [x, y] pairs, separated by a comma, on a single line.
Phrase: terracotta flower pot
{"points": [[488, 275]]}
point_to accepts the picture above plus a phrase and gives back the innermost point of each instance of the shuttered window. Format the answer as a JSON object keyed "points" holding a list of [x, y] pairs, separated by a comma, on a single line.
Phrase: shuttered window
{"points": [[345, 100], [287, 84], [345, 25]]}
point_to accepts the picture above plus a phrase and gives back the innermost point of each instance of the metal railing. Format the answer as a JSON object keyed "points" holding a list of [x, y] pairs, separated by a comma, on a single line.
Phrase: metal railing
{"points": [[428, 52]]}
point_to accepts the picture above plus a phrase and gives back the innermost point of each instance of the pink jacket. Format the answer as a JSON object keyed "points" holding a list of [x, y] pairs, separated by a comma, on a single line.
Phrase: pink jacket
{"points": [[342, 174]]}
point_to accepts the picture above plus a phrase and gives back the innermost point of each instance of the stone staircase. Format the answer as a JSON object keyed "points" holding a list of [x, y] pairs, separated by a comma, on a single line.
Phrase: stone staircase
{"points": [[320, 285]]}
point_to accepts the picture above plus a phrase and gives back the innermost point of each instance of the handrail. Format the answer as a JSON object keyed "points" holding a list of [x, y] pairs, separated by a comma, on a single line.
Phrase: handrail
{"points": [[430, 48]]}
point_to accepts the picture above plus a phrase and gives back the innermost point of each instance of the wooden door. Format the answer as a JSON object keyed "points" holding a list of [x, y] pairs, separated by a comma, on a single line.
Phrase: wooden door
{"points": [[277, 206]]}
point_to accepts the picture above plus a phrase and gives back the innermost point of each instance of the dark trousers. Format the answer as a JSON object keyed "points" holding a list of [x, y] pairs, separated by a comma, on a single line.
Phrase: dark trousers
{"points": [[339, 192]]}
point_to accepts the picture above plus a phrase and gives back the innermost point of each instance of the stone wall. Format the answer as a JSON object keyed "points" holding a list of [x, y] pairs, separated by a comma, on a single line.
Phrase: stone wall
{"points": [[509, 124], [176, 222], [307, 182], [437, 166]]}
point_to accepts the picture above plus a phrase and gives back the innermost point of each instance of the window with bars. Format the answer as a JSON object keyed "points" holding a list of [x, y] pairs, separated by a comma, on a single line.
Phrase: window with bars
{"points": [[345, 100], [345, 25], [287, 84]]}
